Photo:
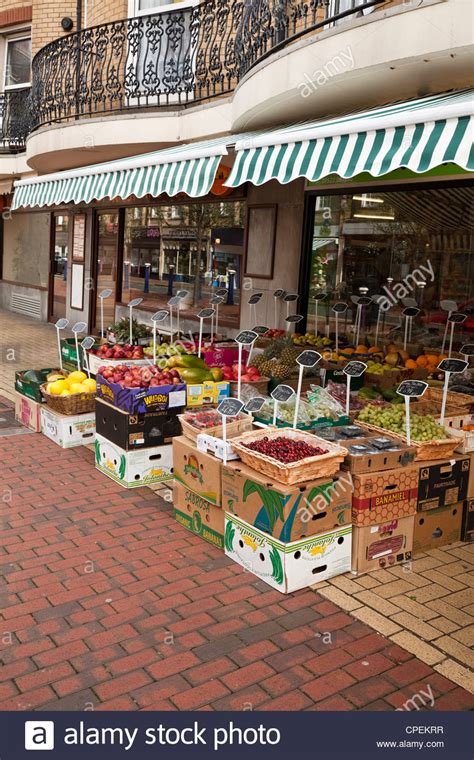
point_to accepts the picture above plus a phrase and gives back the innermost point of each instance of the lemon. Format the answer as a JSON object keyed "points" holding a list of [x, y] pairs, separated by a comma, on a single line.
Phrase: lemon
{"points": [[56, 387], [89, 385], [65, 392], [76, 388], [77, 377]]}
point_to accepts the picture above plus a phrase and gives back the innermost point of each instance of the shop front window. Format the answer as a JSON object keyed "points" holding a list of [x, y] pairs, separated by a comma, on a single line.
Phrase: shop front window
{"points": [[405, 247], [193, 247]]}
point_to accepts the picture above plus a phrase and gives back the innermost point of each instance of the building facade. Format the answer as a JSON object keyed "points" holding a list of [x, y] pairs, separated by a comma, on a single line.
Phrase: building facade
{"points": [[93, 83]]}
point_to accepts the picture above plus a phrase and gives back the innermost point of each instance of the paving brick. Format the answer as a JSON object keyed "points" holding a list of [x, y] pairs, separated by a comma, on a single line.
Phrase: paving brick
{"points": [[326, 685], [199, 695], [247, 675]]}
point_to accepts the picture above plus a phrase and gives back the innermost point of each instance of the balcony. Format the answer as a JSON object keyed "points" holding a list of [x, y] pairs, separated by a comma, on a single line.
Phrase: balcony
{"points": [[172, 59], [14, 120]]}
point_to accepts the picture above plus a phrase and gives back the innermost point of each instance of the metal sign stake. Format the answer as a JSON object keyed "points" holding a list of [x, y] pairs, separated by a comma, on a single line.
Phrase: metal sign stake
{"points": [[61, 324]]}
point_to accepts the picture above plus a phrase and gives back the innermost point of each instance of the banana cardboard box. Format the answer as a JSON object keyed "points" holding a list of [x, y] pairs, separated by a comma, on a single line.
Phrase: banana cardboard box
{"points": [[287, 512], [133, 468], [68, 430], [385, 545], [198, 515], [27, 412], [289, 566], [197, 470], [437, 527], [382, 496]]}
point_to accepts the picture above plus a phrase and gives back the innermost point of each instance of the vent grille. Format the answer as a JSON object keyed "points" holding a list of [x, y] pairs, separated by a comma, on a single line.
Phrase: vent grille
{"points": [[27, 305]]}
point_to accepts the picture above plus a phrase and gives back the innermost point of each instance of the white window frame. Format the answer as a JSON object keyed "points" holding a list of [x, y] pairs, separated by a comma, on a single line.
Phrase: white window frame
{"points": [[165, 8], [17, 37]]}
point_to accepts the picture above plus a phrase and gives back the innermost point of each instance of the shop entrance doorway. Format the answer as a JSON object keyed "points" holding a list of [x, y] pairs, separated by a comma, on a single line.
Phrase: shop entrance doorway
{"points": [[105, 257]]}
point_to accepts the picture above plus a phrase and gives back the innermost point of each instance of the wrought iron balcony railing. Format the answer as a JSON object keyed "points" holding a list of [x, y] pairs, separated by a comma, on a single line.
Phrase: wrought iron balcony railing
{"points": [[14, 120], [170, 59]]}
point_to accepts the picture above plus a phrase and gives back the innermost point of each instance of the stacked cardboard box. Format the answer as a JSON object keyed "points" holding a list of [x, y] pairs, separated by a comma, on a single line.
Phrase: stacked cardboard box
{"points": [[134, 449], [443, 495], [385, 488]]}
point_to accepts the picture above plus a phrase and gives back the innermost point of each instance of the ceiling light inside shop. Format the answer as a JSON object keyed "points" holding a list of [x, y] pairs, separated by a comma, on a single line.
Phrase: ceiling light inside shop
{"points": [[367, 199], [374, 216]]}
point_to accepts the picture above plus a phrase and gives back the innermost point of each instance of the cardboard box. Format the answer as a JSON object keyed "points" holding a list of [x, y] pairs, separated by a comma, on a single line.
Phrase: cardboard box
{"points": [[443, 483], [287, 512], [31, 388], [209, 392], [222, 356], [470, 487], [140, 400], [198, 515], [288, 566], [467, 522], [136, 431], [384, 545], [96, 362], [372, 456], [437, 527], [382, 496], [197, 470], [27, 412], [133, 468], [67, 430]]}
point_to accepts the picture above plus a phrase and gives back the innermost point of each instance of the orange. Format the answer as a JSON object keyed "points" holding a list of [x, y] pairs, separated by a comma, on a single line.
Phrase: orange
{"points": [[422, 361], [410, 364], [432, 359]]}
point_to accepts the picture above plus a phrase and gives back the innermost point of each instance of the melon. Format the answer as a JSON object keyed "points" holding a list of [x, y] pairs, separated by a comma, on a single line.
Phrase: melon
{"points": [[393, 358]]}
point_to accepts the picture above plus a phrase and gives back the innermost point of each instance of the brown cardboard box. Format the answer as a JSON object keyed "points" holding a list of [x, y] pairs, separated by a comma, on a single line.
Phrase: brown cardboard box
{"points": [[384, 545], [445, 482], [470, 487], [286, 512], [197, 470], [367, 457], [382, 496], [198, 515], [27, 412], [437, 527], [467, 524]]}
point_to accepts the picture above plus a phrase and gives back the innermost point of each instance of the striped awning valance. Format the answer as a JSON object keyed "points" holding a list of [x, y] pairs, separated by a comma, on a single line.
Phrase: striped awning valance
{"points": [[189, 169], [418, 134]]}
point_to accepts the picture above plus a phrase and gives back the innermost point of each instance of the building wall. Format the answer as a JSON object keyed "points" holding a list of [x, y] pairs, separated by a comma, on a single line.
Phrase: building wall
{"points": [[103, 11], [26, 248]]}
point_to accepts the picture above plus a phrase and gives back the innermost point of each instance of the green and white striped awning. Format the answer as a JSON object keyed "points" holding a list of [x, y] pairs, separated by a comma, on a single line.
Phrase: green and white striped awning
{"points": [[189, 169], [418, 135]]}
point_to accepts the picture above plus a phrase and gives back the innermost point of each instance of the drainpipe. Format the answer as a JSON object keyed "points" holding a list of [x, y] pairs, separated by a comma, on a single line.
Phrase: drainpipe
{"points": [[78, 51]]}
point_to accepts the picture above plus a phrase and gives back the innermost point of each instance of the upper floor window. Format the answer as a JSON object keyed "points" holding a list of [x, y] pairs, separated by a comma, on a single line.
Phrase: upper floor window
{"points": [[18, 62]]}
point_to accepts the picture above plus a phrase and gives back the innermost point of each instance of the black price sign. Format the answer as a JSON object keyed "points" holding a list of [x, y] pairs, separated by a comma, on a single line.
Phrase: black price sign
{"points": [[246, 337], [230, 407], [134, 302], [364, 300], [412, 388], [182, 293], [279, 293], [216, 300], [62, 323], [453, 365], [294, 318], [410, 311], [159, 316], [221, 292], [291, 297], [308, 358], [260, 329], [174, 301], [320, 296], [282, 393], [466, 350], [87, 343], [254, 299], [255, 404], [340, 307], [206, 313], [79, 327], [355, 369], [457, 318]]}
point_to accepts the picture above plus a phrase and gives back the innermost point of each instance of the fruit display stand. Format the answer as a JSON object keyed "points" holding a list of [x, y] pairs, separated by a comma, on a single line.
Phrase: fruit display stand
{"points": [[79, 402], [441, 448], [209, 421], [313, 456]]}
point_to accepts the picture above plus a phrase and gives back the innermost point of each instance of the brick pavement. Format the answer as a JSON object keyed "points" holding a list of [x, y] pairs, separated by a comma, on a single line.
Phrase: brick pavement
{"points": [[108, 603]]}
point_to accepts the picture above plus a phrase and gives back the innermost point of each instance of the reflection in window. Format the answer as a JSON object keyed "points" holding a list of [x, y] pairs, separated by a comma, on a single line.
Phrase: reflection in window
{"points": [[18, 63], [196, 247]]}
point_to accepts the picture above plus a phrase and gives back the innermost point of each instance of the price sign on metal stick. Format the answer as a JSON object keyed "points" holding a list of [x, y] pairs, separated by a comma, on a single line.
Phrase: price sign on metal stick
{"points": [[305, 359], [450, 367], [79, 327], [131, 306], [294, 318], [338, 308], [319, 296], [102, 296], [280, 395], [410, 389], [86, 345], [244, 338], [254, 404], [456, 318], [467, 350], [202, 315], [277, 296], [290, 298], [409, 313], [216, 301], [182, 294], [221, 292], [254, 299], [229, 407], [260, 329], [353, 369], [158, 316], [61, 324]]}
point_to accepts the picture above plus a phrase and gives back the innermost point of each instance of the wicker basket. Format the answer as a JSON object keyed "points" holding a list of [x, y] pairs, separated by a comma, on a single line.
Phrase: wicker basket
{"points": [[250, 390], [453, 398], [237, 427], [311, 468], [77, 403], [425, 450]]}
